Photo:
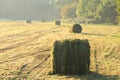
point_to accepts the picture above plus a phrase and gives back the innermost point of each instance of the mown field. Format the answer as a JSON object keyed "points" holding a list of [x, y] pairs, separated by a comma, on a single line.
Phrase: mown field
{"points": [[25, 50]]}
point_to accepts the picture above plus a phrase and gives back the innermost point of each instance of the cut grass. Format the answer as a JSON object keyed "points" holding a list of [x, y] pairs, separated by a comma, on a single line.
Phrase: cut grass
{"points": [[20, 43]]}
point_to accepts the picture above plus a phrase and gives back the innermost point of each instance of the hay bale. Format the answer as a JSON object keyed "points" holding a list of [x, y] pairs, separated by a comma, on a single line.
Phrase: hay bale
{"points": [[57, 22], [70, 57], [77, 28], [43, 21], [28, 21]]}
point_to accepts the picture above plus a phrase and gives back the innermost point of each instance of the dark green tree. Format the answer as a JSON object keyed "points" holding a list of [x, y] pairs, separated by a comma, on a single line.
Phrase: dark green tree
{"points": [[118, 10], [99, 11], [87, 9], [81, 9], [107, 11]]}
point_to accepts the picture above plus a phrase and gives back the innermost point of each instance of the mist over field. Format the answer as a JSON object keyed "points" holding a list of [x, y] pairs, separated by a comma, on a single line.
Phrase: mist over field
{"points": [[27, 9]]}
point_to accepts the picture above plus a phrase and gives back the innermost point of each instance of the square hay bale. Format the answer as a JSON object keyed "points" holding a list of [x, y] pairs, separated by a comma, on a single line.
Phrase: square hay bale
{"points": [[57, 22], [70, 57], [28, 21], [43, 21], [77, 28]]}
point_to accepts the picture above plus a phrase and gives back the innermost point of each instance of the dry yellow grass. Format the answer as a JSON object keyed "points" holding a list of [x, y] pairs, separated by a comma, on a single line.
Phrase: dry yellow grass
{"points": [[25, 50]]}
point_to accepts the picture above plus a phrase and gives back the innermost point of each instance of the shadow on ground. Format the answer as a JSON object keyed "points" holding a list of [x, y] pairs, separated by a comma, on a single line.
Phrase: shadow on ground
{"points": [[93, 34], [94, 76]]}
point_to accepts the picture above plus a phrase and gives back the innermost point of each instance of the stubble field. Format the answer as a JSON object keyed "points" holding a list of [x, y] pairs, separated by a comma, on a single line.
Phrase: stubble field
{"points": [[25, 50]]}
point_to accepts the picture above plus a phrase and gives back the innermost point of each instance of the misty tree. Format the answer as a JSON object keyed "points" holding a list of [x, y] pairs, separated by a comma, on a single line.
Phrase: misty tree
{"points": [[67, 8], [69, 11], [95, 11], [60, 3]]}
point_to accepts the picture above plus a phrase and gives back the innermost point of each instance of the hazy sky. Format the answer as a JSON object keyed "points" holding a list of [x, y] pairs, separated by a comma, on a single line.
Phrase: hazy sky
{"points": [[27, 9]]}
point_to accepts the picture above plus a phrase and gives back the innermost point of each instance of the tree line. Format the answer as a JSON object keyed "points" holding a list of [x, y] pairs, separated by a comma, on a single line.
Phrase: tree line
{"points": [[94, 11]]}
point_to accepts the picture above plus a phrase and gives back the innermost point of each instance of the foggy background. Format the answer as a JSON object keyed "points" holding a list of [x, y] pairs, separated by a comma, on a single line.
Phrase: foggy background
{"points": [[28, 9]]}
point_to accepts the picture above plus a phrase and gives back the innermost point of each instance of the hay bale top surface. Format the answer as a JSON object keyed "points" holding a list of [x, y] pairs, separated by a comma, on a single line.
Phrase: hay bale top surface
{"points": [[83, 41], [77, 28]]}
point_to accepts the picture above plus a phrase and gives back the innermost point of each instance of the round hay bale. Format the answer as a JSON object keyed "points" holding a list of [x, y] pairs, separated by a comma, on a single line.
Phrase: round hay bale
{"points": [[28, 21], [77, 28], [57, 22], [70, 57]]}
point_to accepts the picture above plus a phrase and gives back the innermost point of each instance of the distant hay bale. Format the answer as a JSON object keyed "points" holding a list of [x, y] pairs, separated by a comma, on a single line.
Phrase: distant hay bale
{"points": [[43, 21], [57, 22], [28, 21], [70, 57], [77, 28]]}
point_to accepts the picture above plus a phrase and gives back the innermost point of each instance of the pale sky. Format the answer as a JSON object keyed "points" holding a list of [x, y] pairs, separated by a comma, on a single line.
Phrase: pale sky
{"points": [[24, 9]]}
